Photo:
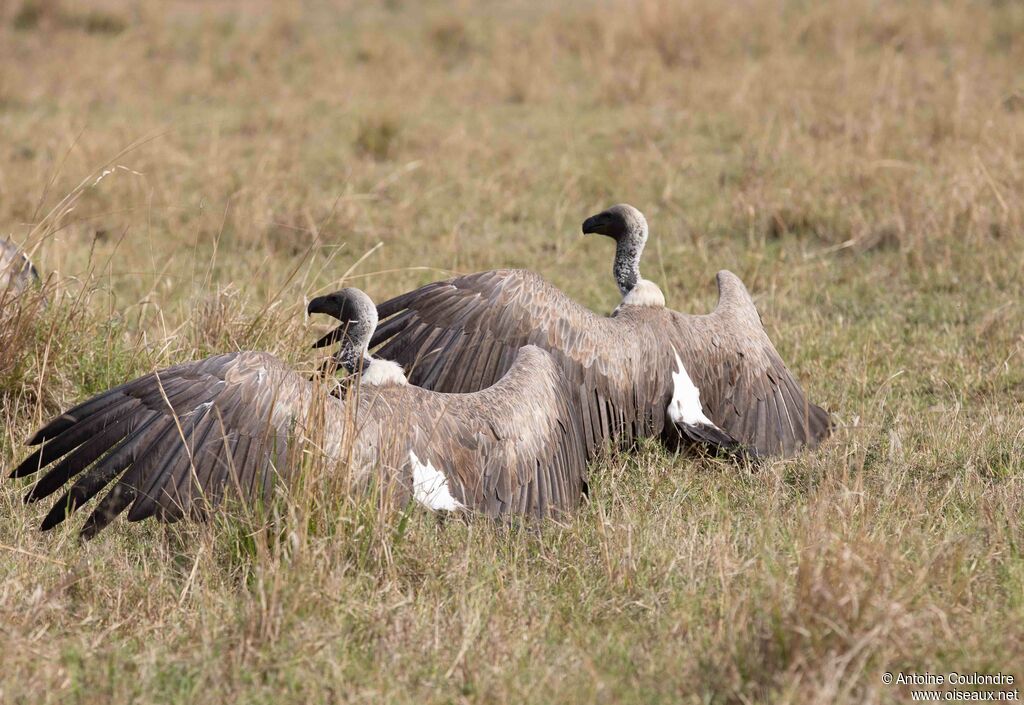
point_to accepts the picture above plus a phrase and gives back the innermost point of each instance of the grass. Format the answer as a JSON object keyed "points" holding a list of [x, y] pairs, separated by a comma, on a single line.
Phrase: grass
{"points": [[858, 164]]}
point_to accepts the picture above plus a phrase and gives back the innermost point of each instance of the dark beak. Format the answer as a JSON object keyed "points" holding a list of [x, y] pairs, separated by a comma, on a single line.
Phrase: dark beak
{"points": [[593, 223], [329, 305], [323, 304]]}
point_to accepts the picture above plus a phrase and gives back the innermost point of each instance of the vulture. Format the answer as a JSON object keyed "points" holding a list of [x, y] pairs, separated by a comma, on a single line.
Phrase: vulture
{"points": [[175, 442], [17, 273], [644, 371]]}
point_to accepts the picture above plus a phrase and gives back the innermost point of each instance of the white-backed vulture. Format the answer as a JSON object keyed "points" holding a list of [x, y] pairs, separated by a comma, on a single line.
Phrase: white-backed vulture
{"points": [[175, 442], [636, 373]]}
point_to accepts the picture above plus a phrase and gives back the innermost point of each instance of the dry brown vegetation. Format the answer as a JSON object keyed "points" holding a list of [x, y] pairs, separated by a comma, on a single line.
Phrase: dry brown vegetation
{"points": [[858, 164]]}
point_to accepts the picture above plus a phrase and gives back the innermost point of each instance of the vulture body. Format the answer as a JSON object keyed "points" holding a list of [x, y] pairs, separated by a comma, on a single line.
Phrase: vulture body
{"points": [[644, 371], [174, 443]]}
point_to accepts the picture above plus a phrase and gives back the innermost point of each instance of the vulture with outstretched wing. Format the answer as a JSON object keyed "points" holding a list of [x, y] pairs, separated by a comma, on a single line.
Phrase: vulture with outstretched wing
{"points": [[640, 372], [175, 442]]}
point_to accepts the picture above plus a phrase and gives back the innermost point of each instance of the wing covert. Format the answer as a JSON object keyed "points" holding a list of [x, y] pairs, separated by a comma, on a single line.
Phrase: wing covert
{"points": [[745, 386], [516, 447], [173, 442], [461, 335]]}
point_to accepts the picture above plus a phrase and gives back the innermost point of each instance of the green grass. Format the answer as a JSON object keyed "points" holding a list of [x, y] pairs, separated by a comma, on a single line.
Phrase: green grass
{"points": [[859, 165]]}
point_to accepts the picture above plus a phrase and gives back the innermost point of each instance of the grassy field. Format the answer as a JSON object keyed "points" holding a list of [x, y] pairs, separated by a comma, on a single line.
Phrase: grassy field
{"points": [[188, 174]]}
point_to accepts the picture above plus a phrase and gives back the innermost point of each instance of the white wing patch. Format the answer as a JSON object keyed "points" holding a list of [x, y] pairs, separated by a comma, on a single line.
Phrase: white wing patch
{"points": [[430, 487], [381, 372], [685, 405]]}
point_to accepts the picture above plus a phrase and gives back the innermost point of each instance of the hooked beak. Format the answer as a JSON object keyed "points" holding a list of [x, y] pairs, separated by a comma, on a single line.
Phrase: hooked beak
{"points": [[323, 304], [594, 224], [329, 305]]}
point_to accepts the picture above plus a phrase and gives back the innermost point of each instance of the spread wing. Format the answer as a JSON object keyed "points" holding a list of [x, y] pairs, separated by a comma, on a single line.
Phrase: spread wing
{"points": [[745, 387], [462, 335], [172, 442], [176, 442], [516, 447]]}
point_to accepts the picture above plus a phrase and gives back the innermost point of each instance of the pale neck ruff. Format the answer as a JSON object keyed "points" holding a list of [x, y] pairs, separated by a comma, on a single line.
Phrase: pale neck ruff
{"points": [[381, 372], [645, 293]]}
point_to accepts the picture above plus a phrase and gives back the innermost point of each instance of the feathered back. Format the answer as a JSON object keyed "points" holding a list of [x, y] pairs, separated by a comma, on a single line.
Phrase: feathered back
{"points": [[460, 335]]}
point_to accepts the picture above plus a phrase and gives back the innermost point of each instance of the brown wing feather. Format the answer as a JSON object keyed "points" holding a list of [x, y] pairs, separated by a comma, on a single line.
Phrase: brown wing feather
{"points": [[171, 442], [745, 386], [175, 443], [515, 447], [461, 335]]}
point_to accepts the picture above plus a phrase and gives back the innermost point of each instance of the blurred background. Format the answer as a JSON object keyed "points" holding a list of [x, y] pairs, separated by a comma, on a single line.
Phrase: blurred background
{"points": [[472, 134]]}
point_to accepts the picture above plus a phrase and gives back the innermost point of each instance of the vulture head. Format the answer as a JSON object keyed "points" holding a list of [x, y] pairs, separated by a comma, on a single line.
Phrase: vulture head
{"points": [[628, 227], [619, 222], [358, 317]]}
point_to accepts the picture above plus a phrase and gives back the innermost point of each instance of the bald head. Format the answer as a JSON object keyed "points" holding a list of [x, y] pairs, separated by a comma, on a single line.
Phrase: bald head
{"points": [[358, 316], [618, 222], [628, 227], [351, 306]]}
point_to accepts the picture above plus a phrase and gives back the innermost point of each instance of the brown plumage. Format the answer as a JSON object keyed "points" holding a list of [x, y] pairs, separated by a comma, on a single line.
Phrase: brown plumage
{"points": [[175, 442], [461, 334]]}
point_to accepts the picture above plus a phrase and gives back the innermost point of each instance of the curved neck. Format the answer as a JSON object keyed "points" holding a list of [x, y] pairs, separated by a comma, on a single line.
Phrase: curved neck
{"points": [[354, 361], [628, 249], [354, 352]]}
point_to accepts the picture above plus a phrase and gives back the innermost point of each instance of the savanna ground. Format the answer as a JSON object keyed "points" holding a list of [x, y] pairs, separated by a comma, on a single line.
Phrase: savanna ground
{"points": [[858, 164]]}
